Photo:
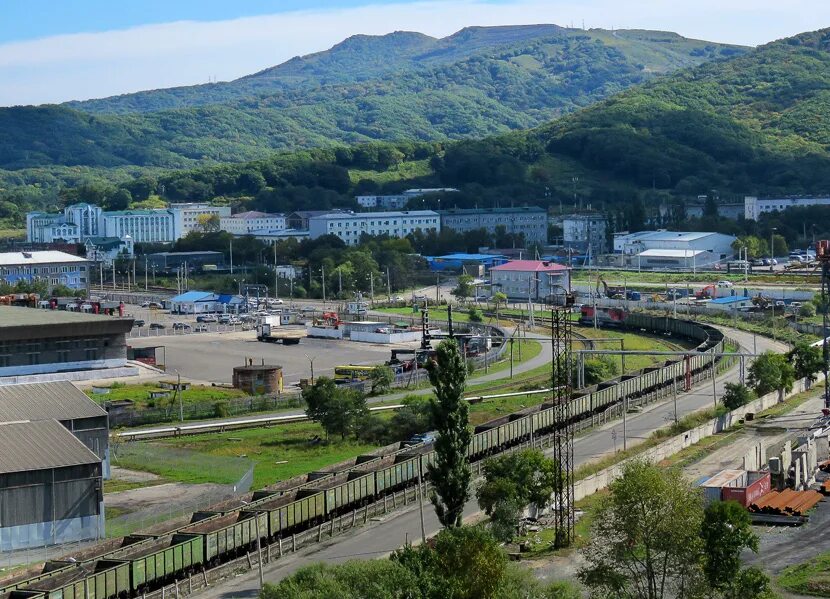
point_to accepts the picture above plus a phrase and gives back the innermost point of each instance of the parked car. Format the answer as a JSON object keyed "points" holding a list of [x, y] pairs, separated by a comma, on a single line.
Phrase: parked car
{"points": [[726, 284], [138, 323], [181, 326], [157, 325], [780, 304], [276, 301], [200, 328], [760, 262], [206, 318], [152, 305]]}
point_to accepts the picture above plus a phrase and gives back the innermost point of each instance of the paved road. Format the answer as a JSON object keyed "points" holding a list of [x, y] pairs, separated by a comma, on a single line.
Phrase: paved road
{"points": [[380, 538]]}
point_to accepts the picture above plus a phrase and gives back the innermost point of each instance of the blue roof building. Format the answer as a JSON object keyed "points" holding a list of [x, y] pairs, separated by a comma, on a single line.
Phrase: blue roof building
{"points": [[456, 261], [733, 302]]}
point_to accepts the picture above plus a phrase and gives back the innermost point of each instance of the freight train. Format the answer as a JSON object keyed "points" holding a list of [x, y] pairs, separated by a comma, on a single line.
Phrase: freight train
{"points": [[137, 564]]}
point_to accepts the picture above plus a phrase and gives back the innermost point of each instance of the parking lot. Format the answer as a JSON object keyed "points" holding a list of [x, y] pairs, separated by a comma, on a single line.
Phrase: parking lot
{"points": [[210, 357]]}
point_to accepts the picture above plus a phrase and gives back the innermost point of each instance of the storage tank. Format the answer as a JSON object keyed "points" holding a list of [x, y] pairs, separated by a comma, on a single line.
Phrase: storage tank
{"points": [[258, 379]]}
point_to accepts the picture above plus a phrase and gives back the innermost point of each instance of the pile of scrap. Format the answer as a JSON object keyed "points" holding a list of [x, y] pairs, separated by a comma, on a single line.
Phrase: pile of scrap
{"points": [[784, 507], [825, 487]]}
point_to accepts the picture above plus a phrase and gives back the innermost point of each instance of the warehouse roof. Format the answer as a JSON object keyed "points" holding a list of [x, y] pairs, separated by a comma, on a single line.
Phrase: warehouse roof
{"points": [[193, 296], [35, 258], [730, 300], [661, 253], [41, 445], [16, 316], [59, 400]]}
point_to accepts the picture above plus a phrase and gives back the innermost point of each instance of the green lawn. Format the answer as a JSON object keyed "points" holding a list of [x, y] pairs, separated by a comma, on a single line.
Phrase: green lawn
{"points": [[140, 394], [266, 448]]}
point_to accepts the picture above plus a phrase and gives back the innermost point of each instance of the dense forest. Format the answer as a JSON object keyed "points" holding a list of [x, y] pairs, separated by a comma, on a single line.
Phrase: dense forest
{"points": [[402, 86]]}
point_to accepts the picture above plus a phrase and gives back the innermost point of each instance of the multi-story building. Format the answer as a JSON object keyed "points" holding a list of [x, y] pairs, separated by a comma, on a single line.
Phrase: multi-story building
{"points": [[398, 201], [299, 220], [248, 223], [755, 207], [82, 221], [538, 280], [188, 217], [530, 221], [583, 231], [55, 268], [108, 249], [351, 226]]}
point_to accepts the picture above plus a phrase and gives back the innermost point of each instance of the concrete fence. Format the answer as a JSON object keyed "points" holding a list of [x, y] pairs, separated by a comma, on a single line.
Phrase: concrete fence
{"points": [[669, 447]]}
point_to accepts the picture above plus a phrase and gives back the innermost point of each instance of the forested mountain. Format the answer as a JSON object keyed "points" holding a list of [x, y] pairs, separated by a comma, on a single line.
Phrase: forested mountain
{"points": [[402, 86]]}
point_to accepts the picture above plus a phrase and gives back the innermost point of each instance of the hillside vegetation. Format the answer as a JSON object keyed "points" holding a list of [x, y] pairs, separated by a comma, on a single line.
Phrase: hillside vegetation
{"points": [[402, 86]]}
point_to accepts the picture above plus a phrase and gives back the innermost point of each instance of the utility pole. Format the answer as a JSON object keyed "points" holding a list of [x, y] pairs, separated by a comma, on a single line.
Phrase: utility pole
{"points": [[276, 278], [323, 275], [179, 394], [388, 286], [259, 551], [421, 491], [231, 254], [145, 273], [372, 287], [339, 282], [113, 275]]}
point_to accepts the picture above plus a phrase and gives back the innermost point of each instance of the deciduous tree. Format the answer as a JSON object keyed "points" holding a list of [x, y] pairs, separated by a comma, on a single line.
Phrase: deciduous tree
{"points": [[771, 372]]}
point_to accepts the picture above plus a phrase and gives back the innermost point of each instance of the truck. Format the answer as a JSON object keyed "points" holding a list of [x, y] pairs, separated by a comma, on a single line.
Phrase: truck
{"points": [[268, 330]]}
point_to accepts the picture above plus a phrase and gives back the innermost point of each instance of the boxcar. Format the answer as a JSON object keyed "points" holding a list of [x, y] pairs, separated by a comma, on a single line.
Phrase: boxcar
{"points": [[105, 579], [160, 559], [223, 536]]}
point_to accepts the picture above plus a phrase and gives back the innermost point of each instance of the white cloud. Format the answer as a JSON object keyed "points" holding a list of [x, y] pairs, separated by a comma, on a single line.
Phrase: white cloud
{"points": [[91, 65]]}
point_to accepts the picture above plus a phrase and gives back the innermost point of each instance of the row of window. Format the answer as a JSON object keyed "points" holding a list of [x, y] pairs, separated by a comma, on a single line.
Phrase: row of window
{"points": [[42, 270]]}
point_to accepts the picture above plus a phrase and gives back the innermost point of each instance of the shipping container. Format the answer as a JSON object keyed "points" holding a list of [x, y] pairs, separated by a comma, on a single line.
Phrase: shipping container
{"points": [[757, 485]]}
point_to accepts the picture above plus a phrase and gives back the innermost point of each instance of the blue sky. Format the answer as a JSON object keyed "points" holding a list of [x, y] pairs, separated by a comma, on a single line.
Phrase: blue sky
{"points": [[53, 51]]}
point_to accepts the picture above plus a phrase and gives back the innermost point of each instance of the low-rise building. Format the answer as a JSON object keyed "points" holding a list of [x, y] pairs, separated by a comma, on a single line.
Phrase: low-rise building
{"points": [[538, 280], [52, 267], [248, 223], [190, 216], [457, 262], [108, 249], [300, 219], [754, 207], [351, 226], [731, 303], [37, 342], [529, 221], [583, 231], [51, 486], [398, 201], [717, 246]]}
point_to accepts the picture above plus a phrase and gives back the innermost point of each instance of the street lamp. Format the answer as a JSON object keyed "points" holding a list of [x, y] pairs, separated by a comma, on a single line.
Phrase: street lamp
{"points": [[771, 245]]}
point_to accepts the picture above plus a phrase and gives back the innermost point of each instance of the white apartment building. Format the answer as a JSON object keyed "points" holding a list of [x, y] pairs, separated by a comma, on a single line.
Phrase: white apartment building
{"points": [[143, 226], [187, 216], [755, 207], [248, 223], [583, 231], [350, 226]]}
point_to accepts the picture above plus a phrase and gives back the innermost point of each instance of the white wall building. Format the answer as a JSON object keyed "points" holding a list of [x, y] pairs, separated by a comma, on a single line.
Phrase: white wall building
{"points": [[143, 226], [537, 279], [579, 231], [248, 223], [350, 226], [674, 248], [531, 221], [755, 207], [186, 216]]}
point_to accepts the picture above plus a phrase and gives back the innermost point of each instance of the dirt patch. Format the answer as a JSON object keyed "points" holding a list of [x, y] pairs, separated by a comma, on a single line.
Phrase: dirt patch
{"points": [[162, 496], [132, 476]]}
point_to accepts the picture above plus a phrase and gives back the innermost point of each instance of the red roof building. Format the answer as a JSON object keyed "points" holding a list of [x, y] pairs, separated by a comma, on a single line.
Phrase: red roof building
{"points": [[538, 280]]}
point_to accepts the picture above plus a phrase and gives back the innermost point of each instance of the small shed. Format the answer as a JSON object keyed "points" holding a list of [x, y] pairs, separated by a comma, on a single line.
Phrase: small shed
{"points": [[258, 379]]}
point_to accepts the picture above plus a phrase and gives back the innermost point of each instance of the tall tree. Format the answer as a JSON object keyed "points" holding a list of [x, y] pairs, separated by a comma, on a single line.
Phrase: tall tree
{"points": [[450, 474], [771, 372], [645, 541], [339, 411], [726, 531]]}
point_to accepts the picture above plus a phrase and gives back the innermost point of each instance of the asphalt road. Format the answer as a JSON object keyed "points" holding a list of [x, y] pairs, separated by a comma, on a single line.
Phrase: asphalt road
{"points": [[382, 537]]}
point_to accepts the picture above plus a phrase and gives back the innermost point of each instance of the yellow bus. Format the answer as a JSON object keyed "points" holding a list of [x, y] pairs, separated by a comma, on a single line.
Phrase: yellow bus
{"points": [[352, 373]]}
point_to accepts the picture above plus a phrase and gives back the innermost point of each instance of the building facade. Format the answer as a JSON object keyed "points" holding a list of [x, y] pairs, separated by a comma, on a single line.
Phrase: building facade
{"points": [[754, 207], [351, 226], [34, 341], [143, 226], [248, 223], [583, 231], [52, 267], [538, 280], [398, 201], [529, 221], [189, 217], [107, 249]]}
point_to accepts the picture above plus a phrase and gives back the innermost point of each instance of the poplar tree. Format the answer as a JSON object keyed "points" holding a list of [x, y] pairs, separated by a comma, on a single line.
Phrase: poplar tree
{"points": [[450, 474]]}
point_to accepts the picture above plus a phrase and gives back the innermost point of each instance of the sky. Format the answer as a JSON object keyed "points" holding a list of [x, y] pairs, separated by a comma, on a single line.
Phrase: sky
{"points": [[53, 51]]}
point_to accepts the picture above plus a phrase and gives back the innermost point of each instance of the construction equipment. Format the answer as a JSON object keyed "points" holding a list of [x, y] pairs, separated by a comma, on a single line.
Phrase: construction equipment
{"points": [[609, 291], [707, 293], [762, 302], [328, 319]]}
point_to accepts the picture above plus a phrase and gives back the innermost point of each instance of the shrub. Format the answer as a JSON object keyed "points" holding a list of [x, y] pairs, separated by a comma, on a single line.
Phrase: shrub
{"points": [[221, 409], [735, 396]]}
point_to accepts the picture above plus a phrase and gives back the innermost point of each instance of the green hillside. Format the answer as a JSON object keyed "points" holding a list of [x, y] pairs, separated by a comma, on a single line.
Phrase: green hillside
{"points": [[402, 86]]}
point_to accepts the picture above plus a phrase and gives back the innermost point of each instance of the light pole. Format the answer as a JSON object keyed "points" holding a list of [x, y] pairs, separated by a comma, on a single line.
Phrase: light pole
{"points": [[771, 244]]}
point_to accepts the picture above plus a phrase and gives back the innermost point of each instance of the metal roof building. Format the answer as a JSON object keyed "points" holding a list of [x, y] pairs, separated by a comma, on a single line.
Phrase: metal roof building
{"points": [[64, 402], [51, 486]]}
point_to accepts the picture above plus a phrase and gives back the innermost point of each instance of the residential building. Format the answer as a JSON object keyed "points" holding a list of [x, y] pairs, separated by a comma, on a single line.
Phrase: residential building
{"points": [[248, 223], [36, 342], [398, 201], [299, 220], [108, 249], [188, 217], [53, 267], [51, 486], [529, 221], [583, 231], [538, 280], [670, 249], [170, 261], [272, 237], [50, 228], [351, 226], [754, 207]]}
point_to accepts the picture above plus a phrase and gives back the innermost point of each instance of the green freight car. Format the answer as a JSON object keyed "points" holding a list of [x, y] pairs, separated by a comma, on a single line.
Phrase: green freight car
{"points": [[29, 575], [101, 579], [161, 560], [224, 536]]}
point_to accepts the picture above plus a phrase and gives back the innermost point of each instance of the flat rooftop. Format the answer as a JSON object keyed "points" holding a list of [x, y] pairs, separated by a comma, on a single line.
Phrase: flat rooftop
{"points": [[33, 323]]}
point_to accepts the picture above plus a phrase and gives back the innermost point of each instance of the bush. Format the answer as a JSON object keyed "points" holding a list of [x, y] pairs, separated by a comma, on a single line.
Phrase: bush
{"points": [[600, 369], [807, 310], [735, 396], [475, 314], [471, 366], [221, 409]]}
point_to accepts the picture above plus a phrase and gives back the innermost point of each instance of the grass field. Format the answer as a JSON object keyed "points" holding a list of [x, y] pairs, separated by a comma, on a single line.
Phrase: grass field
{"points": [[140, 394], [809, 578], [278, 453]]}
